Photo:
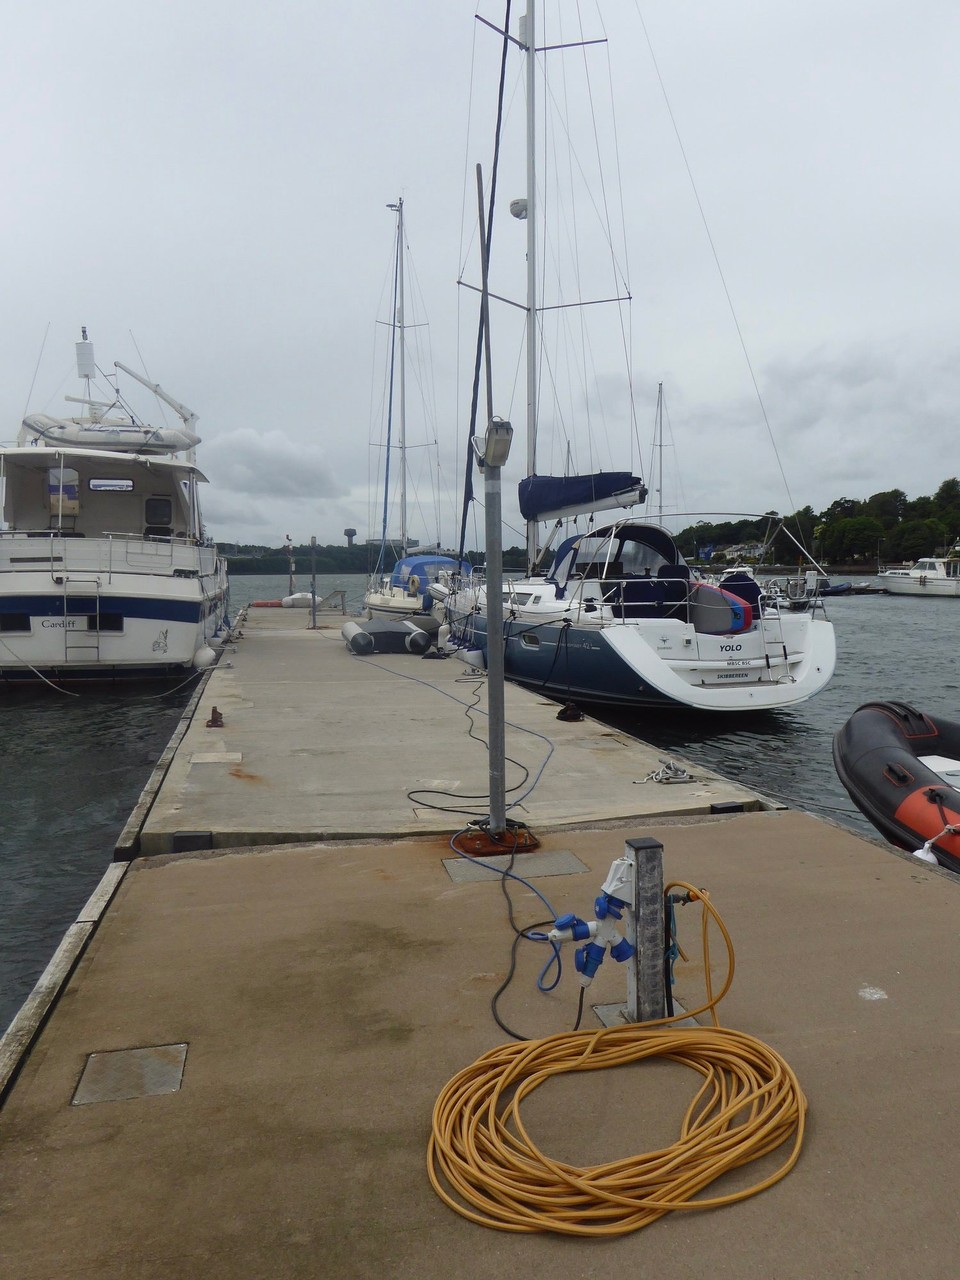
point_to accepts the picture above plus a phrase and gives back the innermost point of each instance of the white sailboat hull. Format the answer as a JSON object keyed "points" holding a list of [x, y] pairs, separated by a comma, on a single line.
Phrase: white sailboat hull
{"points": [[572, 652]]}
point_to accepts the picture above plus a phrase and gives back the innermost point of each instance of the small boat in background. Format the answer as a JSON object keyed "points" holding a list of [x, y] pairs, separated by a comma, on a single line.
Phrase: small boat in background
{"points": [[407, 589], [901, 768], [935, 576]]}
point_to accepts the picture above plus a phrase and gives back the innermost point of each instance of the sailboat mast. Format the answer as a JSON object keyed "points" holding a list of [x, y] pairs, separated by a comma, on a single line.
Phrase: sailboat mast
{"points": [[659, 434], [403, 390], [528, 39]]}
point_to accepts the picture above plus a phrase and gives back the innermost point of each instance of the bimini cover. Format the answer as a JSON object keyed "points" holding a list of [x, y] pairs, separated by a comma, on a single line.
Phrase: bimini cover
{"points": [[547, 497], [425, 569]]}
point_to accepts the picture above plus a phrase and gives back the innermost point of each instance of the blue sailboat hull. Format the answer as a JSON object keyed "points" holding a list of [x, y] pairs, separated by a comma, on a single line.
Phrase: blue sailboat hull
{"points": [[570, 663]]}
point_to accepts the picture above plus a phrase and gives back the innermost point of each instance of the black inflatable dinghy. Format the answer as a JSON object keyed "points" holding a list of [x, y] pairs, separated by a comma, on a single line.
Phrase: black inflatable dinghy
{"points": [[901, 767]]}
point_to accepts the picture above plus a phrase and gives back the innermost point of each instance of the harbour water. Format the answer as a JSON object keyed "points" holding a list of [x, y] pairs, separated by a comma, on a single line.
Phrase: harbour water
{"points": [[73, 767]]}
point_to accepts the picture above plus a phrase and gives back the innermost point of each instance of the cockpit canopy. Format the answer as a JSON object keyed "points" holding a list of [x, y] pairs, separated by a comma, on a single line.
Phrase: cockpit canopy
{"points": [[615, 551]]}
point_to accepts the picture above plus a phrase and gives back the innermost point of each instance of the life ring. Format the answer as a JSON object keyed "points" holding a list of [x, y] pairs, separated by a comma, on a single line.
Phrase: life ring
{"points": [[413, 585]]}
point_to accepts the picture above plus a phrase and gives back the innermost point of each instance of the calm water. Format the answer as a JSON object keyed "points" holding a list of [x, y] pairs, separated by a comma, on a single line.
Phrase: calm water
{"points": [[73, 768]]}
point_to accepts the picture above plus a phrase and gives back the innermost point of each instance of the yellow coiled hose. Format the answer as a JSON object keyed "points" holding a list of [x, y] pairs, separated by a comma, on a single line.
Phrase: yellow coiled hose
{"points": [[482, 1163]]}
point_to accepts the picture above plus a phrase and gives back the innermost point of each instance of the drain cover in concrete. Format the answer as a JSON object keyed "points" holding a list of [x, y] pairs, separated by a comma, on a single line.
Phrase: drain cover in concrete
{"points": [[131, 1073], [528, 865]]}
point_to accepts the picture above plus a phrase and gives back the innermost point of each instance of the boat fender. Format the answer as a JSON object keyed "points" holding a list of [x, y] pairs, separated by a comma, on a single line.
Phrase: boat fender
{"points": [[926, 854], [356, 638], [473, 658], [204, 657], [266, 604], [417, 641], [413, 585]]}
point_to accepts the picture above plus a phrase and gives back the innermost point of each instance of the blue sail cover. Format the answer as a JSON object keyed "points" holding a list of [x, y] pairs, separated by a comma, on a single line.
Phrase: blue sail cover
{"points": [[425, 569], [544, 496]]}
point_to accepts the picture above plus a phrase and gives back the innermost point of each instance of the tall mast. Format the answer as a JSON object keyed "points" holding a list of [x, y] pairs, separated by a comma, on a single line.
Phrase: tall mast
{"points": [[528, 28], [659, 435], [403, 387]]}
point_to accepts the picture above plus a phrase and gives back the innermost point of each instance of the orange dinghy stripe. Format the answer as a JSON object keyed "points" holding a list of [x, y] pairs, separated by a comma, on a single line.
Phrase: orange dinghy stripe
{"points": [[920, 812]]}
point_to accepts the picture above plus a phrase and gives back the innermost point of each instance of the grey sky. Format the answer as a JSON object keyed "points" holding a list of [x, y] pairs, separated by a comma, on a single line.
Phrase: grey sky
{"points": [[212, 177]]}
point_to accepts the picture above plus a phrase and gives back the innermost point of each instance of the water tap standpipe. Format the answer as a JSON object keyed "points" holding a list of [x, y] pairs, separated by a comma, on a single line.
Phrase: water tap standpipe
{"points": [[632, 893]]}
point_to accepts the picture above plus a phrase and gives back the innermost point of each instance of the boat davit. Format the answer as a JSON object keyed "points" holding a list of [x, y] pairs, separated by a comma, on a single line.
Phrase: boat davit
{"points": [[901, 768]]}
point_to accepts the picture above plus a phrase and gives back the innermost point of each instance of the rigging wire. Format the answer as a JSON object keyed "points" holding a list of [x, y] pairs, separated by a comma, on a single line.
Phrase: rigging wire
{"points": [[491, 204], [716, 256], [33, 380]]}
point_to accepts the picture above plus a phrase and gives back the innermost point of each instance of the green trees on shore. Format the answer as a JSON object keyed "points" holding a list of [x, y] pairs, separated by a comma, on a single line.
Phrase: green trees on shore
{"points": [[247, 559], [885, 527]]}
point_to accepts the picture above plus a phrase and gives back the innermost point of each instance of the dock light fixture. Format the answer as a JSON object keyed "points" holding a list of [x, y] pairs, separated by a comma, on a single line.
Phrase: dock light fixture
{"points": [[491, 457], [496, 443]]}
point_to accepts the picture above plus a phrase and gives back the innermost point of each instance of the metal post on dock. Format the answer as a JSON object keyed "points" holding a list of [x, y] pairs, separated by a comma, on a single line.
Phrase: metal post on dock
{"points": [[645, 969], [313, 582], [497, 447], [491, 457]]}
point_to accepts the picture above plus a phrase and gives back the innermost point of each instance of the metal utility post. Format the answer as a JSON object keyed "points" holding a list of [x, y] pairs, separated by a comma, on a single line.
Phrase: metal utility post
{"points": [[496, 449], [497, 446], [290, 565], [313, 582], [645, 969]]}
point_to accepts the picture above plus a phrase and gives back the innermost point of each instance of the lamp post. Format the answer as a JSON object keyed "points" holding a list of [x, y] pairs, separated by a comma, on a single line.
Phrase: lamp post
{"points": [[492, 454]]}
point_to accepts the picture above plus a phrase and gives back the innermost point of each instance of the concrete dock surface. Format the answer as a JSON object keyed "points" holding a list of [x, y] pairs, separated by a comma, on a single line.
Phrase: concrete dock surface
{"points": [[324, 994], [238, 1078], [317, 743]]}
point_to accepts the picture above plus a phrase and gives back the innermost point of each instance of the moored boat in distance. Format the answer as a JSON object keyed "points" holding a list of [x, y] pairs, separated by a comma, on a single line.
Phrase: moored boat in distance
{"points": [[934, 576], [410, 587], [106, 571], [405, 589]]}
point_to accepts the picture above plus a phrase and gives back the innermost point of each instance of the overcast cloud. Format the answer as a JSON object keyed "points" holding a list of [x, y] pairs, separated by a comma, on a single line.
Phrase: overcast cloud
{"points": [[204, 184]]}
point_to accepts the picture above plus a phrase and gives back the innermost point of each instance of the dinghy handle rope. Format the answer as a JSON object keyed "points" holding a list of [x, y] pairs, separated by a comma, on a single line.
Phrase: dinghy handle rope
{"points": [[925, 853]]}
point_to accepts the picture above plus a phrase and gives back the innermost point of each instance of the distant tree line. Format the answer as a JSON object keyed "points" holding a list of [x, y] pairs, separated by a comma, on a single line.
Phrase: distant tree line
{"points": [[247, 559], [885, 527]]}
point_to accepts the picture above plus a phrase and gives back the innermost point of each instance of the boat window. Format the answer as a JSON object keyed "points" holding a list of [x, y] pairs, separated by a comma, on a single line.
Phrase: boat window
{"points": [[119, 485], [63, 491], [530, 640], [158, 511], [637, 558], [519, 597], [14, 622], [107, 622]]}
